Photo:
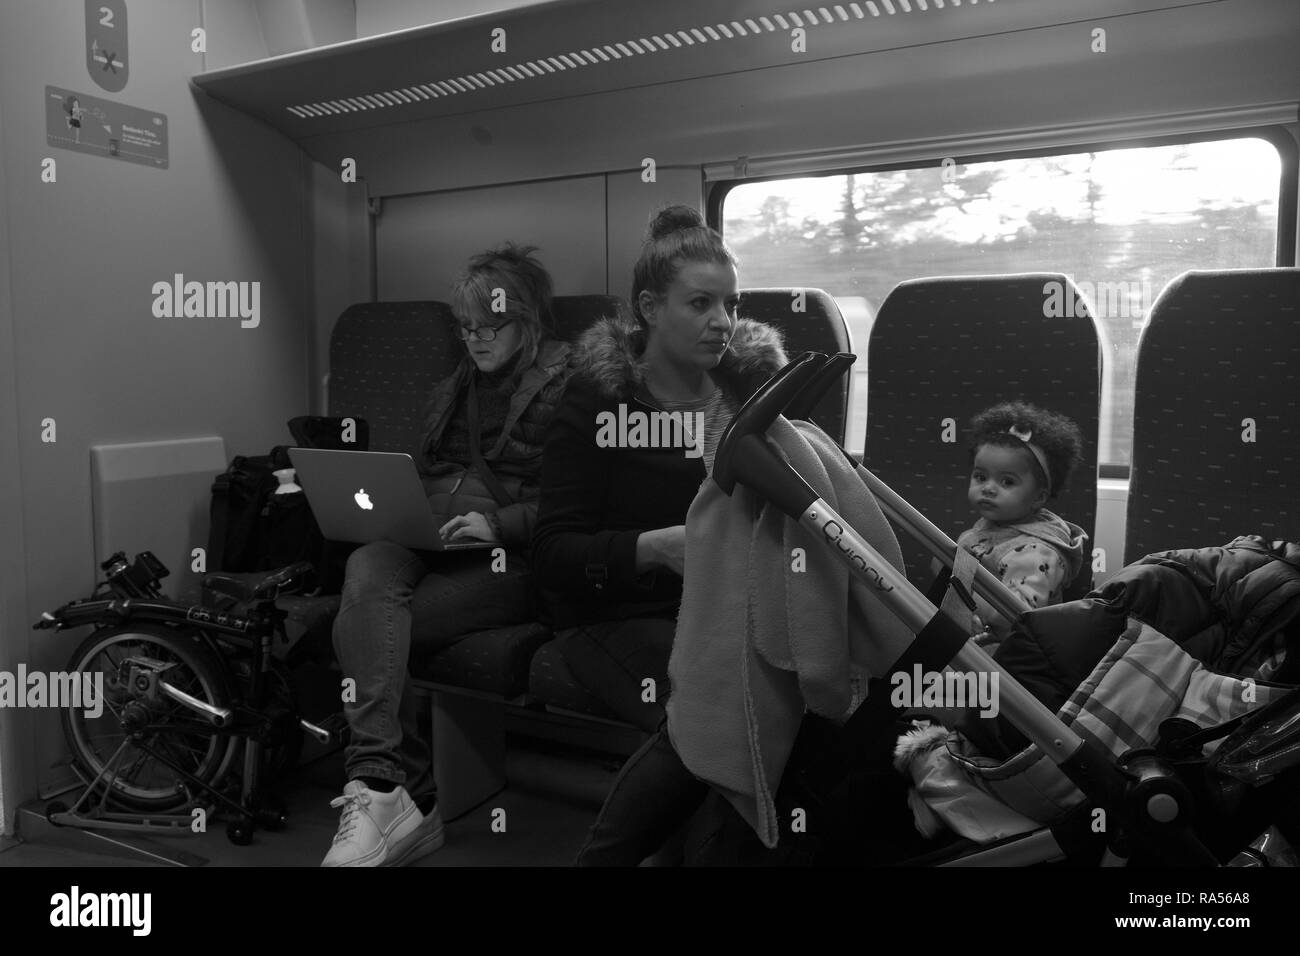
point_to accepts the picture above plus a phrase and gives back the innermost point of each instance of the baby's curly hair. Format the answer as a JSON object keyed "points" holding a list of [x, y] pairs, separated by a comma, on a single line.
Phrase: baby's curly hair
{"points": [[1058, 437]]}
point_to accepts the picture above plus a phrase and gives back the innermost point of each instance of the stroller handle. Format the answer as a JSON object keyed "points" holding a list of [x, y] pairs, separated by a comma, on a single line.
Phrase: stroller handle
{"points": [[802, 405], [741, 446]]}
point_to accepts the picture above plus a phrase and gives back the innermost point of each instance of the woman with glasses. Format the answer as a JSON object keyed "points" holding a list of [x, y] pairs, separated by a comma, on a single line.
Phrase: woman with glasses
{"points": [[480, 462]]}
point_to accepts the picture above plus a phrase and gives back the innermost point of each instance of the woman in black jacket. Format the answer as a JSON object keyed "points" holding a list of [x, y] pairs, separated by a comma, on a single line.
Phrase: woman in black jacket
{"points": [[625, 455], [610, 538]]}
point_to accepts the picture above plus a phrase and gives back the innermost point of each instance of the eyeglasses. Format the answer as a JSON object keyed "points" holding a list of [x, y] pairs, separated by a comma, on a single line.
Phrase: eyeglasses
{"points": [[484, 333]]}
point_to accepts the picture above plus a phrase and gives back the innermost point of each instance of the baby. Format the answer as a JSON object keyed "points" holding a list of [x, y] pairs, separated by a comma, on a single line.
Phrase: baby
{"points": [[1021, 457]]}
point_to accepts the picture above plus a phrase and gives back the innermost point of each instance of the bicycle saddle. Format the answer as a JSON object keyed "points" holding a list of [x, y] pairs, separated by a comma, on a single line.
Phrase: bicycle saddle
{"points": [[258, 585]]}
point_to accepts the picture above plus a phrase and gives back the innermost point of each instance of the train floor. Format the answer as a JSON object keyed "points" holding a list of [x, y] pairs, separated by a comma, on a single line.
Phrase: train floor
{"points": [[549, 803]]}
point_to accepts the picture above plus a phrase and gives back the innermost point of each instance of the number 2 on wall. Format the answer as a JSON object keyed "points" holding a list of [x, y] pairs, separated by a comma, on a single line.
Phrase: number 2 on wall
{"points": [[106, 42]]}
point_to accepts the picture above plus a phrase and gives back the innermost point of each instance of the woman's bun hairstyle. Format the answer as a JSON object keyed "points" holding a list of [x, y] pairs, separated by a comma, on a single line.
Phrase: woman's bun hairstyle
{"points": [[672, 219]]}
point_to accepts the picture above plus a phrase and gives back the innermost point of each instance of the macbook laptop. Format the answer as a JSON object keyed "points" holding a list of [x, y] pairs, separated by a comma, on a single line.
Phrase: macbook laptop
{"points": [[365, 496]]}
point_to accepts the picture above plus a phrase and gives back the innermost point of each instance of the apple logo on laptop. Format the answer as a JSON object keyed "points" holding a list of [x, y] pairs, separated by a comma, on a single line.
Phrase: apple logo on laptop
{"points": [[363, 500]]}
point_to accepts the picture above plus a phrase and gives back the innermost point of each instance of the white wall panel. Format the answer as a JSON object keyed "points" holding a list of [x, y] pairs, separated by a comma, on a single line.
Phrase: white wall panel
{"points": [[87, 350], [423, 242], [632, 202]]}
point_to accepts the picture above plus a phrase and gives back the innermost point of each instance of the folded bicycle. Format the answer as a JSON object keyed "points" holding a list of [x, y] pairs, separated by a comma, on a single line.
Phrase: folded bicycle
{"points": [[188, 690]]}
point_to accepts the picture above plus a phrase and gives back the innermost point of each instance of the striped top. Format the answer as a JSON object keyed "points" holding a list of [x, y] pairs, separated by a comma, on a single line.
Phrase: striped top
{"points": [[719, 408]]}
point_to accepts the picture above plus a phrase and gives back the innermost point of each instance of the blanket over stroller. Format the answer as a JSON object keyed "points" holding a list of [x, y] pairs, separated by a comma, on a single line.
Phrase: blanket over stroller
{"points": [[1205, 634], [772, 623]]}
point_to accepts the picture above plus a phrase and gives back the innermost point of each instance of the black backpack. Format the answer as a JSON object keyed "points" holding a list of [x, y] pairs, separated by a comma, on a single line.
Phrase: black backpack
{"points": [[254, 529]]}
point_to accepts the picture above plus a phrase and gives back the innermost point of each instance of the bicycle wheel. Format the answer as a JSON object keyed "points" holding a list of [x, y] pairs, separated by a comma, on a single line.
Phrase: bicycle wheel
{"points": [[133, 719]]}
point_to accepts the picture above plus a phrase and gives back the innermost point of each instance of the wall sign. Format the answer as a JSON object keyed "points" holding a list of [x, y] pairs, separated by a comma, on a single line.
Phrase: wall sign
{"points": [[88, 124], [106, 43]]}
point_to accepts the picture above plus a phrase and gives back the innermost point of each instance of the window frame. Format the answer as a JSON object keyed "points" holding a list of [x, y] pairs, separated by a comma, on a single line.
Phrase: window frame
{"points": [[1279, 136]]}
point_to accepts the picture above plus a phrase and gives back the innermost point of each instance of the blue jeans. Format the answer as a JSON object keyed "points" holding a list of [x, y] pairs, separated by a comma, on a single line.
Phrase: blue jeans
{"points": [[395, 599]]}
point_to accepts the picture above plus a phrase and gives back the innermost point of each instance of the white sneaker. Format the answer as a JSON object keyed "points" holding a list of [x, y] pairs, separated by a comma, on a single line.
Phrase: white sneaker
{"points": [[381, 829], [421, 841]]}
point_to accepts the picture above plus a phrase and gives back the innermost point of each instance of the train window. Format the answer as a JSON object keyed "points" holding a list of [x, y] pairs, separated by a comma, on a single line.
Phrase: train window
{"points": [[1121, 221]]}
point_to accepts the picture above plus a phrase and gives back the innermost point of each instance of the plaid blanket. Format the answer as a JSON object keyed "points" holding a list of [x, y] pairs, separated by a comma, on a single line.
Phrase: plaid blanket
{"points": [[1144, 679]]}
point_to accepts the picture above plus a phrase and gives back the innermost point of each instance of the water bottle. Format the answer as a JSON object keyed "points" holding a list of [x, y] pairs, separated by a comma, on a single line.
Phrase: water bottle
{"points": [[286, 478]]}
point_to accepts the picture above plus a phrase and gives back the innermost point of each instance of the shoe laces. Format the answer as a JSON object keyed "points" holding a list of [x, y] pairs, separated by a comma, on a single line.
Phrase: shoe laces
{"points": [[353, 806]]}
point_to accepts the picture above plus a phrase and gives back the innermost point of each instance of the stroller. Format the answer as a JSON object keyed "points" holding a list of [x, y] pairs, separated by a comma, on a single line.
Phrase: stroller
{"points": [[1166, 801]]}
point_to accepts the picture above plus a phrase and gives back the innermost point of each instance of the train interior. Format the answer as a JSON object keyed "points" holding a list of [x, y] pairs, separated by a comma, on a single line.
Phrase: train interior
{"points": [[221, 215]]}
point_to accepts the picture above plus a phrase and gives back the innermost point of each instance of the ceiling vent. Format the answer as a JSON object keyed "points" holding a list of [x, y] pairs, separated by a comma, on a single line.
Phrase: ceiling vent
{"points": [[807, 18]]}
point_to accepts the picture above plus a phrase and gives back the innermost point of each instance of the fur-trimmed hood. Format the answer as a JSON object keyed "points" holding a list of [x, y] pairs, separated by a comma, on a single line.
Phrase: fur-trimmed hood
{"points": [[611, 355]]}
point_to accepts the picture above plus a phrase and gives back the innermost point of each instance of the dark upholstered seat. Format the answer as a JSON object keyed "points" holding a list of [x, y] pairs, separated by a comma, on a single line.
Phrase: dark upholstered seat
{"points": [[494, 661], [574, 314], [551, 682], [818, 328], [1218, 363], [385, 359], [947, 348]]}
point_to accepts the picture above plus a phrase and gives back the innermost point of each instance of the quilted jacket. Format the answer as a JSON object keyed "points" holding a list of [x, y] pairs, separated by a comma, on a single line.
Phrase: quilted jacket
{"points": [[516, 457]]}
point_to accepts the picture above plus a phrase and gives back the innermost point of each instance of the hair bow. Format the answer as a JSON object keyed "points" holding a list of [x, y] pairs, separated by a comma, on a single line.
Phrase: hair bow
{"points": [[1039, 455]]}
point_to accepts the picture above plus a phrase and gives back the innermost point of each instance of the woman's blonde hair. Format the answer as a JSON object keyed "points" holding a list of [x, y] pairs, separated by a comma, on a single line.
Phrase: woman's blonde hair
{"points": [[527, 291]]}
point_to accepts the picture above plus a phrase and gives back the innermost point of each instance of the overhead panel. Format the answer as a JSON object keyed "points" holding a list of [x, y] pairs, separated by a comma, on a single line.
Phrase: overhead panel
{"points": [[572, 48]]}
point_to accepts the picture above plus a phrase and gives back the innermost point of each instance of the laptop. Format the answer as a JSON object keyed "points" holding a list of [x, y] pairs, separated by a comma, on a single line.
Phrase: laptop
{"points": [[365, 496]]}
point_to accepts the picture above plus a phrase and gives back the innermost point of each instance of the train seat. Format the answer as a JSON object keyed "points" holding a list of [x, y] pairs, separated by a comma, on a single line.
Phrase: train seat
{"points": [[385, 359], [1216, 418], [945, 348], [552, 683], [811, 322]]}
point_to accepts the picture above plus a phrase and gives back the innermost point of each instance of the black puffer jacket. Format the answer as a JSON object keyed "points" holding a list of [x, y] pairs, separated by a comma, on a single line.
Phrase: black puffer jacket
{"points": [[596, 501], [1231, 608], [515, 458]]}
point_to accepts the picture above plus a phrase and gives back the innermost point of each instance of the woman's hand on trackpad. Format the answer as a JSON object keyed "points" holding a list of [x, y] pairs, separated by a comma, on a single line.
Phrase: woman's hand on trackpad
{"points": [[472, 526]]}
